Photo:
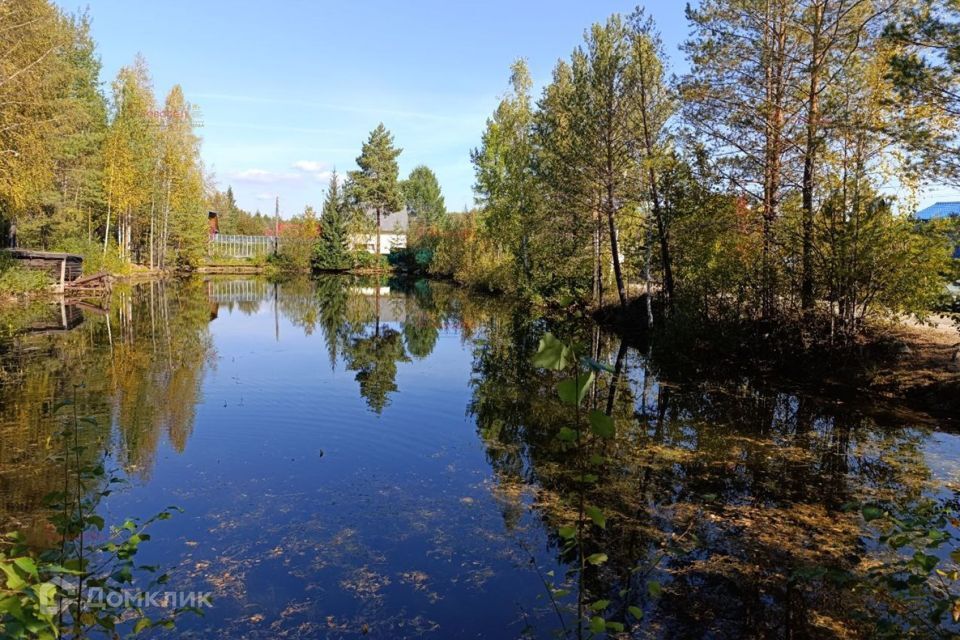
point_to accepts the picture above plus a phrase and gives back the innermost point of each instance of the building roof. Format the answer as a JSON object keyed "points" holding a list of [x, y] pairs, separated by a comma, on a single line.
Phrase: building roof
{"points": [[939, 210], [396, 222]]}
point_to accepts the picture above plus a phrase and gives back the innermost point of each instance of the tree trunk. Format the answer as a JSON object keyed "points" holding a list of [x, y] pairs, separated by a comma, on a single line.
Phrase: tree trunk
{"points": [[164, 236], [152, 210], [378, 239], [809, 160], [597, 265], [654, 191], [646, 276], [106, 231], [615, 250]]}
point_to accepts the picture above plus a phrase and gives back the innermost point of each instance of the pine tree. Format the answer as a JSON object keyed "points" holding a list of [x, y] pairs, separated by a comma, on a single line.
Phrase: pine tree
{"points": [[375, 185], [739, 97], [332, 252], [656, 105], [925, 69]]}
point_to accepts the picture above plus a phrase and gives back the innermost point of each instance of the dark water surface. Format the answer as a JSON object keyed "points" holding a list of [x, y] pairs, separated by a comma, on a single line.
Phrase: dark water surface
{"points": [[360, 460]]}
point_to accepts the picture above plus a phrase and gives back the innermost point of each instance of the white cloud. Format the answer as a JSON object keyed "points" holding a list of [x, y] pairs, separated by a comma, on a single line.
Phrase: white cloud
{"points": [[262, 176], [310, 166], [314, 169]]}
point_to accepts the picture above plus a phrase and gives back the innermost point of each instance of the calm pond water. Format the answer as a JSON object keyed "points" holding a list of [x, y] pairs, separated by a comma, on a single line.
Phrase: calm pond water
{"points": [[355, 459]]}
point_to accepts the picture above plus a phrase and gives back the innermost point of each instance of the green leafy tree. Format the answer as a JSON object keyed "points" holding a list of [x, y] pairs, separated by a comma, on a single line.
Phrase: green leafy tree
{"points": [[424, 200], [375, 184], [506, 186]]}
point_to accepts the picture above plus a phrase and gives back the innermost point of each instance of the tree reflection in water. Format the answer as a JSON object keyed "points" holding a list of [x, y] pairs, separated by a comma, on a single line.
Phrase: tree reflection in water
{"points": [[751, 479]]}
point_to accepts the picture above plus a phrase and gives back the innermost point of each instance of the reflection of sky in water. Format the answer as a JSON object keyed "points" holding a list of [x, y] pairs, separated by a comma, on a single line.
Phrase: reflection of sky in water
{"points": [[942, 452], [308, 514], [313, 513]]}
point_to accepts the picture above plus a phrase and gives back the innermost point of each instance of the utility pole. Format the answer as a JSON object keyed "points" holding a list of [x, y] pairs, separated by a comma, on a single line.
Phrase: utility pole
{"points": [[276, 227]]}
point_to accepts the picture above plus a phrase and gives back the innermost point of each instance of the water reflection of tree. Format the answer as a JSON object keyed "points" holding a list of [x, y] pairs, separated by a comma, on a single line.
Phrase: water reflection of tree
{"points": [[137, 370], [358, 318], [757, 477], [375, 351]]}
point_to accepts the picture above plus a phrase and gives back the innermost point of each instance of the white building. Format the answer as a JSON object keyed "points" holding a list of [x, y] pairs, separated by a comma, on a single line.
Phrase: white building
{"points": [[393, 233]]}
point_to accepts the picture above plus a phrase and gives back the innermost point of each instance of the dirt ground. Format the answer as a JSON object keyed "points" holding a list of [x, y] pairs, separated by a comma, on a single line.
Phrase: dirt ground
{"points": [[925, 367]]}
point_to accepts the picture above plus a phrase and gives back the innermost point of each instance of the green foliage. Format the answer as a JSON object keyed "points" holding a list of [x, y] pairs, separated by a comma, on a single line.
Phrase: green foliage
{"points": [[332, 252], [505, 185], [423, 198], [16, 280], [375, 186], [924, 66], [44, 593], [915, 591], [467, 254], [95, 260]]}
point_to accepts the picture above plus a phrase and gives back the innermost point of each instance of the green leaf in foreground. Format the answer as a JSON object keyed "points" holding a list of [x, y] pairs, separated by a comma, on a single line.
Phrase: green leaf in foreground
{"points": [[601, 424], [595, 514], [654, 589], [573, 390], [552, 354]]}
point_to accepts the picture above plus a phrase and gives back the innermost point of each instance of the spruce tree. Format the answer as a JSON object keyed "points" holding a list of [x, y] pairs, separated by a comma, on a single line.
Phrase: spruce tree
{"points": [[331, 252]]}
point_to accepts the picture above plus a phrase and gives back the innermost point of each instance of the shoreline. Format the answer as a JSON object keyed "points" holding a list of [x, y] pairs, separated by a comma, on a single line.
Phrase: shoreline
{"points": [[902, 361]]}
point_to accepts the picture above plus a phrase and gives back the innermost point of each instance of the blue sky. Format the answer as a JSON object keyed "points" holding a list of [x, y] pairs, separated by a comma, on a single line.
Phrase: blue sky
{"points": [[288, 90]]}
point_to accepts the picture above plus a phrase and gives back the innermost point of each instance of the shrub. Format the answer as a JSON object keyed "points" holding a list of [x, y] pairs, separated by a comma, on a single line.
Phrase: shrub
{"points": [[95, 259], [17, 280]]}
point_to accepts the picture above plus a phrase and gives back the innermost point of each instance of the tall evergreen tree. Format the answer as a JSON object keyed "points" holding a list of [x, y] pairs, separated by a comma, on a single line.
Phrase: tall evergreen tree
{"points": [[655, 106], [375, 184], [332, 252]]}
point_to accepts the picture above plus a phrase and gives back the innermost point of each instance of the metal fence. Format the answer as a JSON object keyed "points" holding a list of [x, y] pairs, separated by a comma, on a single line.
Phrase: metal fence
{"points": [[224, 246], [232, 291]]}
